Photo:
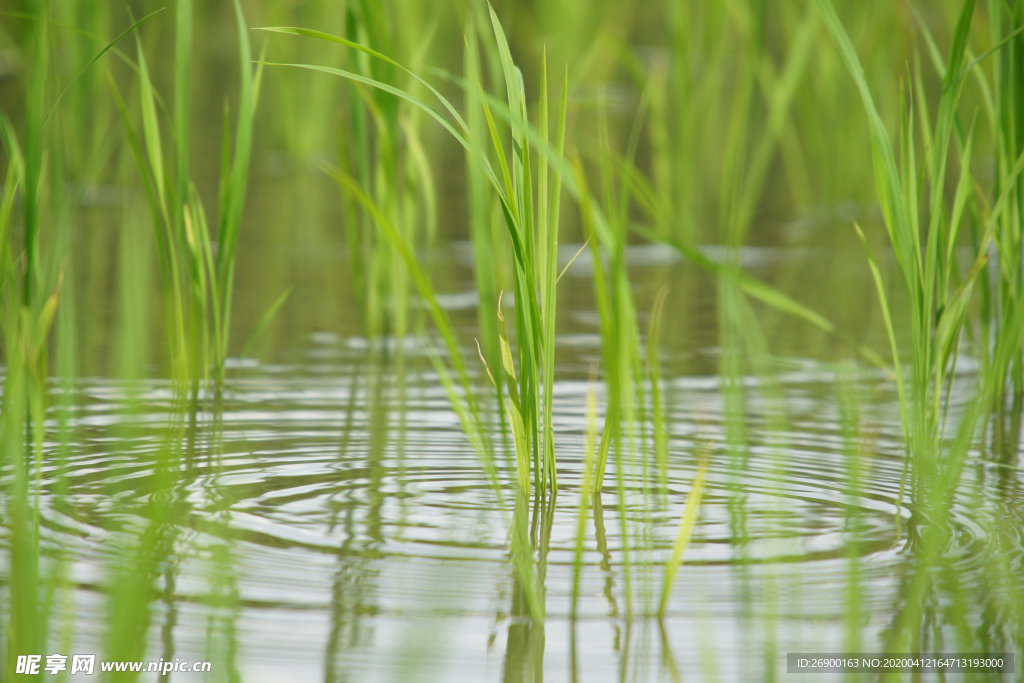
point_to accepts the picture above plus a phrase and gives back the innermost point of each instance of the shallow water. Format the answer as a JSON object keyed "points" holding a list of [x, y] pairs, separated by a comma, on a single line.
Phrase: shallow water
{"points": [[366, 544]]}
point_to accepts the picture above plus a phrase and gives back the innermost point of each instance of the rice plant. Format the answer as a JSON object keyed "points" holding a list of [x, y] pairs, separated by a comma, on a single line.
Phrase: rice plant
{"points": [[197, 279], [938, 295], [532, 229], [924, 252], [1001, 327], [383, 150]]}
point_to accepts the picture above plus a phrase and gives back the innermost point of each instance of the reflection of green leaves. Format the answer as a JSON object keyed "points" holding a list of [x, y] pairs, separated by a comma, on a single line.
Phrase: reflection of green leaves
{"points": [[524, 564], [686, 524], [759, 290], [586, 489]]}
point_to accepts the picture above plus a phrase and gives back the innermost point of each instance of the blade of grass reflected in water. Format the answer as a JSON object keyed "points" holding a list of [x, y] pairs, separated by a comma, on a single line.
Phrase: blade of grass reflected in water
{"points": [[686, 524], [529, 545], [350, 584], [586, 493], [856, 451]]}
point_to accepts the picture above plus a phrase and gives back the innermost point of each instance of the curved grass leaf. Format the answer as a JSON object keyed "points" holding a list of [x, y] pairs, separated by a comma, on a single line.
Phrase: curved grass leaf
{"points": [[99, 54]]}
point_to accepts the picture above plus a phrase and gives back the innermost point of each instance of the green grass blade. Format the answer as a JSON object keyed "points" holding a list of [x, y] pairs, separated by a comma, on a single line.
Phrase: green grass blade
{"points": [[238, 174], [10, 143], [35, 148], [373, 53], [887, 176], [654, 374], [151, 130], [964, 191], [182, 107], [264, 321], [890, 330], [519, 433], [471, 425], [96, 58], [508, 67], [506, 176]]}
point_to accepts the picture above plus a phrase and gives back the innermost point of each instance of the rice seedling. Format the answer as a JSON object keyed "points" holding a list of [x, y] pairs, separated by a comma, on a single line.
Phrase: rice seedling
{"points": [[145, 552], [938, 296], [24, 339], [383, 150], [924, 257], [1001, 328], [617, 310], [197, 280], [742, 183], [620, 338], [757, 129], [531, 226]]}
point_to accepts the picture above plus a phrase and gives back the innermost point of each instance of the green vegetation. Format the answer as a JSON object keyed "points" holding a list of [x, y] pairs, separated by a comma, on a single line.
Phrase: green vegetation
{"points": [[723, 300], [198, 284]]}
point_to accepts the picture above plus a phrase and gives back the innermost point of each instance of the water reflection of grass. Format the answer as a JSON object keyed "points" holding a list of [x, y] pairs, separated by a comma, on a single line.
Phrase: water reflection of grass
{"points": [[743, 111]]}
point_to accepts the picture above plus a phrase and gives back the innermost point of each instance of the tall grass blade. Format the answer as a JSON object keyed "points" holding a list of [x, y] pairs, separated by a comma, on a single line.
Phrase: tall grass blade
{"points": [[96, 58]]}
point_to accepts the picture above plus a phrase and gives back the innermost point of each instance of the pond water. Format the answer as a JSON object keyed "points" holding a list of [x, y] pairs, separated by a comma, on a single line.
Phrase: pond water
{"points": [[363, 541]]}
